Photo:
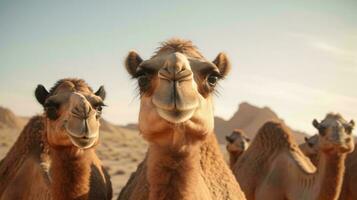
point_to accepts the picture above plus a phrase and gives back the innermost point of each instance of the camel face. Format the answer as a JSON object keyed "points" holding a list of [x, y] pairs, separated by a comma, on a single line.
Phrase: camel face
{"points": [[336, 134], [73, 112], [237, 142], [311, 146], [175, 89]]}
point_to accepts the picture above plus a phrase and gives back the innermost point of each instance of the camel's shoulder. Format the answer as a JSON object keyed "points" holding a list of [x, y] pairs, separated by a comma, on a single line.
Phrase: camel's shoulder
{"points": [[303, 163], [24, 176], [100, 183], [137, 187]]}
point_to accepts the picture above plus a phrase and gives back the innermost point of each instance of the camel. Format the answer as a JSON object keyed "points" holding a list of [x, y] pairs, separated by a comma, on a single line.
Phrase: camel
{"points": [[176, 118], [310, 148], [54, 156], [238, 142], [274, 168], [348, 191]]}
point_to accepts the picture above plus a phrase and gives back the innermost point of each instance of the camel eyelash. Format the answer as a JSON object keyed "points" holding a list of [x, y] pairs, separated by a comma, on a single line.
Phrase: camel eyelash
{"points": [[143, 72], [52, 104]]}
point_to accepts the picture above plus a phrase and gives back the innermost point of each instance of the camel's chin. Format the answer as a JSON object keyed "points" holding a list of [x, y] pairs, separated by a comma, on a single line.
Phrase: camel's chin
{"points": [[175, 117], [83, 143]]}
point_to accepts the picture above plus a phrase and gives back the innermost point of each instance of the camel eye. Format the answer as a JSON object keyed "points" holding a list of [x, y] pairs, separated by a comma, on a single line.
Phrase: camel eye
{"points": [[99, 112], [310, 144], [143, 81], [51, 109], [99, 107], [349, 129], [322, 131], [212, 80]]}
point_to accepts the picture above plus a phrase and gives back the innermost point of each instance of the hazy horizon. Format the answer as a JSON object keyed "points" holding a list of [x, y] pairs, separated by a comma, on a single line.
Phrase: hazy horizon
{"points": [[297, 57]]}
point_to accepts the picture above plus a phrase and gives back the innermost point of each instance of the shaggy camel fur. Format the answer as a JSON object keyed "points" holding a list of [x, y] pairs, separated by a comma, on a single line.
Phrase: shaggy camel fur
{"points": [[238, 142], [348, 191], [274, 168], [54, 156], [176, 118]]}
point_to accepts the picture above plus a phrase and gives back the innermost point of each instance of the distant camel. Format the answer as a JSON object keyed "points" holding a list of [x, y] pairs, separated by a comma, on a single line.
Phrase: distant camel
{"points": [[238, 142], [274, 168], [176, 118], [348, 192], [311, 149], [54, 156]]}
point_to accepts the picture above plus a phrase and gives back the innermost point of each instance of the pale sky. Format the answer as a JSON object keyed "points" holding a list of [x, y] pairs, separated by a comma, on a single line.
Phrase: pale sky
{"points": [[297, 57]]}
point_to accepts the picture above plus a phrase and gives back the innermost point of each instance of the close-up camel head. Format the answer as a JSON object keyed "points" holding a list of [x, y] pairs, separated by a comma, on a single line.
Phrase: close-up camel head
{"points": [[72, 112], [176, 86], [237, 142], [335, 134]]}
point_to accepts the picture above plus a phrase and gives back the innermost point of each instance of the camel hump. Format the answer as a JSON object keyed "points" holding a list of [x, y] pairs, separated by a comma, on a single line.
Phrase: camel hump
{"points": [[275, 136], [304, 163]]}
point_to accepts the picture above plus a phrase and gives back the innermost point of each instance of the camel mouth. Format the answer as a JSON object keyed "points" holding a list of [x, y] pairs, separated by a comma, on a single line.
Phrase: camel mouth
{"points": [[83, 143], [175, 116], [345, 149]]}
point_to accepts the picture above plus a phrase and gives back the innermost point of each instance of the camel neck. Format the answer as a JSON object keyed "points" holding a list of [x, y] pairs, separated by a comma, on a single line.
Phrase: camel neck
{"points": [[330, 173], [233, 157], [173, 174], [70, 173]]}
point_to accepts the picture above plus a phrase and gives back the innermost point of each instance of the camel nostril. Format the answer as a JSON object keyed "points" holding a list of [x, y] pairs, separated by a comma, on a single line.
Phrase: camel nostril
{"points": [[348, 140]]}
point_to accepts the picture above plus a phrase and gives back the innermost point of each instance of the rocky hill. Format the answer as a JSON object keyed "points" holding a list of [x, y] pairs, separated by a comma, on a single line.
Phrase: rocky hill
{"points": [[248, 118], [9, 120]]}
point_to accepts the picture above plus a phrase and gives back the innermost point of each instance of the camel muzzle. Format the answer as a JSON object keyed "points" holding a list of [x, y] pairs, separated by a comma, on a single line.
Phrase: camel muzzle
{"points": [[83, 133]]}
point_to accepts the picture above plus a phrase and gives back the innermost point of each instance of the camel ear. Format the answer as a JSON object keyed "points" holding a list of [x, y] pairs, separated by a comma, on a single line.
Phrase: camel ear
{"points": [[316, 124], [101, 92], [229, 139], [223, 64], [41, 94], [349, 127], [132, 61], [352, 123]]}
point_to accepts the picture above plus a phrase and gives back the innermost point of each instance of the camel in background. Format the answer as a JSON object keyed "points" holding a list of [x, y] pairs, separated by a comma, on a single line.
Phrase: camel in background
{"points": [[274, 168], [238, 142], [176, 118], [54, 156], [348, 191]]}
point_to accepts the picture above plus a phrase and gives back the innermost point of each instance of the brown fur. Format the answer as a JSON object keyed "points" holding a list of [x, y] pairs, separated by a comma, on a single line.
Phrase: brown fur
{"points": [[237, 144], [29, 145], [179, 45], [332, 184], [63, 172], [270, 139], [183, 160], [348, 191], [267, 169], [70, 168], [220, 183], [77, 85], [172, 174]]}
